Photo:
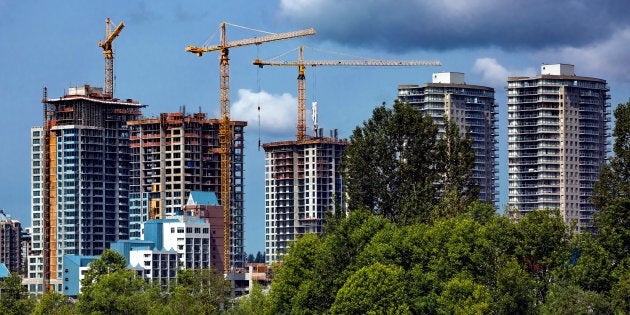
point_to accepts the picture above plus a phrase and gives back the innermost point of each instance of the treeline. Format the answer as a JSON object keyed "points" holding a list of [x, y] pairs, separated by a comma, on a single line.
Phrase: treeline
{"points": [[415, 242]]}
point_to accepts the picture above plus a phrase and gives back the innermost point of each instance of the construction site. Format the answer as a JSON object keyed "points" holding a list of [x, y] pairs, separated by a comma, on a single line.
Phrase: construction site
{"points": [[103, 169]]}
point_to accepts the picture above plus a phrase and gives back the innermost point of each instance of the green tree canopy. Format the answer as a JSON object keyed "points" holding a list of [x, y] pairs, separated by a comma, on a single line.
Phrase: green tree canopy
{"points": [[110, 261], [397, 166], [14, 297], [611, 194]]}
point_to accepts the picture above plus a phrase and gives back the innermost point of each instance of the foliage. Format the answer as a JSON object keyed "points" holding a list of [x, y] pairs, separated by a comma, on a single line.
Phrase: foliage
{"points": [[253, 303], [462, 295], [120, 292], [110, 261], [54, 303], [611, 193], [391, 164], [571, 299], [476, 262], [14, 297], [198, 292], [456, 159], [374, 289], [259, 258]]}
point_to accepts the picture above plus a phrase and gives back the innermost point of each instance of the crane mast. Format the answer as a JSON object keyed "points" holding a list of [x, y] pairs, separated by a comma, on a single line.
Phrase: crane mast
{"points": [[225, 130], [108, 51], [301, 79]]}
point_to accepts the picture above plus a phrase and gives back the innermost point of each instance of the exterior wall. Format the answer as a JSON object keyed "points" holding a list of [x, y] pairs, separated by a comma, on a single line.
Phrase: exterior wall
{"points": [[176, 154], [302, 182], [472, 107], [74, 268], [35, 272], [158, 266], [214, 216], [557, 137]]}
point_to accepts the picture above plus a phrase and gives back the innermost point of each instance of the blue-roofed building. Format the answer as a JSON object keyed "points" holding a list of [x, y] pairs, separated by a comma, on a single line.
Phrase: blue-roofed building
{"points": [[205, 198], [4, 271], [74, 268]]}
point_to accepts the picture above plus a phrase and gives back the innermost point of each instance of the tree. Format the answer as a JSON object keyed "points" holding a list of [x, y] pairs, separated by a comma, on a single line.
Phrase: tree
{"points": [[462, 295], [374, 289], [391, 164], [260, 257], [120, 292], [543, 246], [54, 303], [14, 296], [571, 299], [457, 185], [611, 194], [253, 303], [199, 291], [110, 261]]}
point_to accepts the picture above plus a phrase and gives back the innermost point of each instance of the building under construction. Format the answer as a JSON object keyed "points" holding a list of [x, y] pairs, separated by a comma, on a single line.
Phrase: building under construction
{"points": [[302, 182], [178, 153], [81, 166]]}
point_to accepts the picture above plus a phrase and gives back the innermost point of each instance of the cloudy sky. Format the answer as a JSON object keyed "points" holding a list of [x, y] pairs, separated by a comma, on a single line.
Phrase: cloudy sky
{"points": [[54, 45]]}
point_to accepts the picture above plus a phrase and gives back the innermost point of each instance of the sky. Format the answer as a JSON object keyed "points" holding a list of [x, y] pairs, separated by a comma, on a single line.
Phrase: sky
{"points": [[53, 44]]}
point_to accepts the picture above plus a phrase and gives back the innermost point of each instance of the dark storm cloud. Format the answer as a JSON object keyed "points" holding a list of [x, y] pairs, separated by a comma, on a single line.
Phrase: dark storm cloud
{"points": [[429, 24]]}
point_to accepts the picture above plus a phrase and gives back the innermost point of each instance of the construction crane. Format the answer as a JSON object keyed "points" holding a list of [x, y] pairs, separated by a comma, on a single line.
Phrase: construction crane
{"points": [[108, 51], [301, 79], [225, 131]]}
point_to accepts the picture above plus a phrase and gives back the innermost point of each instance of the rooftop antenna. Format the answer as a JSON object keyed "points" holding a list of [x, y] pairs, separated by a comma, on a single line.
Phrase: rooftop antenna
{"points": [[314, 116]]}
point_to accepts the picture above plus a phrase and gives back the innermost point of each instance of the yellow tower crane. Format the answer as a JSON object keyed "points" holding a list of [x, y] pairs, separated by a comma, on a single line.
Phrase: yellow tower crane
{"points": [[225, 131], [109, 55], [301, 64]]}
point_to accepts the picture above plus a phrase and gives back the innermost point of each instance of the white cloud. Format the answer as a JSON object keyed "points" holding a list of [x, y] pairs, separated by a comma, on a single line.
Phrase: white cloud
{"points": [[605, 59], [494, 74], [278, 113]]}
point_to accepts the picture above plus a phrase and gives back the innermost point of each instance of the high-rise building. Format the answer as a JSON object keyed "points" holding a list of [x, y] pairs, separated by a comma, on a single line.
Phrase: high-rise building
{"points": [[557, 138], [473, 108], [302, 182], [10, 242], [80, 179], [178, 153]]}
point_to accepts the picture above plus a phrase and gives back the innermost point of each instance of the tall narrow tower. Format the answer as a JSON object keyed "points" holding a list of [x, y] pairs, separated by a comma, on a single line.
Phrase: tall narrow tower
{"points": [[80, 177], [472, 107], [557, 137]]}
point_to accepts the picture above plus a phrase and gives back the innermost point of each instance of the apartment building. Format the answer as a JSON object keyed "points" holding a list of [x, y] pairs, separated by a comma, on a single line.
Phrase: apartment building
{"points": [[473, 108], [557, 137]]}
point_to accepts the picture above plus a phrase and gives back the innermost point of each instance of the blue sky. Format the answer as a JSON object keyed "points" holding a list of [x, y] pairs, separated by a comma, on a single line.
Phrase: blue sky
{"points": [[54, 44]]}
